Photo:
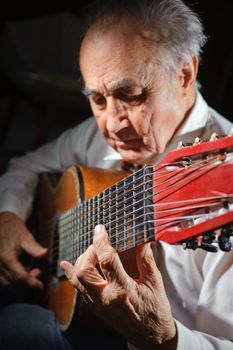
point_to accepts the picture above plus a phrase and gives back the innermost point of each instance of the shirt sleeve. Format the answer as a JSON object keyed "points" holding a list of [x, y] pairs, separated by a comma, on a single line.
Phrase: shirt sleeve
{"points": [[18, 184], [194, 340]]}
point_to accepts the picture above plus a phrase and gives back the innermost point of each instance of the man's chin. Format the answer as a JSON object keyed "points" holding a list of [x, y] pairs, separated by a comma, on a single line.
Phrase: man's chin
{"points": [[138, 157]]}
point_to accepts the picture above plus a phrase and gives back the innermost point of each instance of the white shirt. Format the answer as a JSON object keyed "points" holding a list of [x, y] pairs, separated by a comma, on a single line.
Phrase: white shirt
{"points": [[199, 285]]}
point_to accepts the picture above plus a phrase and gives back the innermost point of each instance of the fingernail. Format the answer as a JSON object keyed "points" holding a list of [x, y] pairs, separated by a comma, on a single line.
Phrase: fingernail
{"points": [[64, 266], [99, 228]]}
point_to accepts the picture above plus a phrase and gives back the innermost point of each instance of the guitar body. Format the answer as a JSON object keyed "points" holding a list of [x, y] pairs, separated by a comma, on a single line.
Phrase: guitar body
{"points": [[75, 185]]}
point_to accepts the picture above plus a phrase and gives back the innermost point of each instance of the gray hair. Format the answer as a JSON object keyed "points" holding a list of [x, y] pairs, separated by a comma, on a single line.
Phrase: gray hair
{"points": [[172, 26]]}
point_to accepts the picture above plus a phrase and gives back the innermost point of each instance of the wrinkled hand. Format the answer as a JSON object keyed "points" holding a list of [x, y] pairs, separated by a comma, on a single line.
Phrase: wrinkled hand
{"points": [[137, 309], [14, 239]]}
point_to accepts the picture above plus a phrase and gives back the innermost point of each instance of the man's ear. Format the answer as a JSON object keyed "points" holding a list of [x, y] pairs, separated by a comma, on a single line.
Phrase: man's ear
{"points": [[188, 73]]}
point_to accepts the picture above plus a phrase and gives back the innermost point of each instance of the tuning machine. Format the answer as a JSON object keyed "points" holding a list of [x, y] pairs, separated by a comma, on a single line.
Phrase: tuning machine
{"points": [[183, 144], [214, 136], [224, 239], [204, 242]]}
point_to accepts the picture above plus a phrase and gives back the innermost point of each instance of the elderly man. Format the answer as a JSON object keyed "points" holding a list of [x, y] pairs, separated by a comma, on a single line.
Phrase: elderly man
{"points": [[139, 62]]}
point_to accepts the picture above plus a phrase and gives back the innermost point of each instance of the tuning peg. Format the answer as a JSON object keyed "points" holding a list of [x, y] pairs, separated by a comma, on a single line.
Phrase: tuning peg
{"points": [[180, 145], [214, 136], [197, 141]]}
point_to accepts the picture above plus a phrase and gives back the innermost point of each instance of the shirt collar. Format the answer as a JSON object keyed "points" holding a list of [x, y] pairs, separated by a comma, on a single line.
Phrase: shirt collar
{"points": [[197, 118]]}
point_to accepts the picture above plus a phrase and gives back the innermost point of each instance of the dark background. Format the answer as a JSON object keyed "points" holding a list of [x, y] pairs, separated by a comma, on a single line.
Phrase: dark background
{"points": [[39, 88]]}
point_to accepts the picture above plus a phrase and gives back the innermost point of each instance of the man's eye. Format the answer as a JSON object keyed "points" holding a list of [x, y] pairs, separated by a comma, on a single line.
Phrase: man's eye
{"points": [[99, 100], [133, 99]]}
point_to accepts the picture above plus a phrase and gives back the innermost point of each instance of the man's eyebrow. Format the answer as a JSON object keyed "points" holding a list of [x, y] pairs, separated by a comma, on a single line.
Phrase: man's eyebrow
{"points": [[87, 92], [123, 84]]}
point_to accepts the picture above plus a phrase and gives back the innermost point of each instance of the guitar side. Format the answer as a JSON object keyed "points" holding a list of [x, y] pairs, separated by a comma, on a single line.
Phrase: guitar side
{"points": [[74, 185]]}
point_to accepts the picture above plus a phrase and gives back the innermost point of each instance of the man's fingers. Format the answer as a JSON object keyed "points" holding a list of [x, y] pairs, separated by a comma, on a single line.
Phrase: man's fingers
{"points": [[85, 278], [18, 271], [33, 248], [87, 271], [109, 260], [5, 276], [69, 271], [147, 268], [15, 271], [67, 268], [32, 279]]}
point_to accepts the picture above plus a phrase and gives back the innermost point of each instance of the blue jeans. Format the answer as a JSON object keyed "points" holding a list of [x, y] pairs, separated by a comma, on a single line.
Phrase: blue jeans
{"points": [[27, 327], [32, 327]]}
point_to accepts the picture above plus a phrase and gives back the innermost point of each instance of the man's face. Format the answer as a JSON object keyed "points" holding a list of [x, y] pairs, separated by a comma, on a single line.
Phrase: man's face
{"points": [[137, 108]]}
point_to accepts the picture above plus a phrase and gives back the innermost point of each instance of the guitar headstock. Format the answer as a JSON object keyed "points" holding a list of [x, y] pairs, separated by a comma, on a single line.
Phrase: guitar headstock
{"points": [[193, 195]]}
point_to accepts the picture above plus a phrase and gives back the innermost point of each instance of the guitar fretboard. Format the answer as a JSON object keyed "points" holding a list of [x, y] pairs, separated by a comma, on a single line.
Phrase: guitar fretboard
{"points": [[125, 209]]}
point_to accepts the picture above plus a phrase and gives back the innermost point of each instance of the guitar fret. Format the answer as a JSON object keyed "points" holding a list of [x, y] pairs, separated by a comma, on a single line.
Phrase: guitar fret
{"points": [[86, 225], [70, 250], [149, 201], [89, 224], [75, 224], [119, 247], [110, 212], [120, 217], [82, 229], [99, 210], [115, 216], [77, 234], [144, 209], [105, 200], [93, 219], [134, 210], [64, 241]]}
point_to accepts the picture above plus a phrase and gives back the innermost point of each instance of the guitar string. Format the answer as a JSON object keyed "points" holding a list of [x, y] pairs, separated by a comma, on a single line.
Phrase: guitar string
{"points": [[80, 238], [125, 193], [186, 209], [164, 173], [55, 264], [164, 223], [123, 210], [122, 197], [87, 213], [123, 235], [162, 219], [122, 244]]}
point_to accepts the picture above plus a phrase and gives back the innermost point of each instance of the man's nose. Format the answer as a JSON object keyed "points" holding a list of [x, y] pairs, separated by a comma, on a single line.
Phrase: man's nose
{"points": [[116, 115]]}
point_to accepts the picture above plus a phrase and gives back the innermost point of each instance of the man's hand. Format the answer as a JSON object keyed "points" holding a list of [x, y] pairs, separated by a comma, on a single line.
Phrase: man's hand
{"points": [[137, 309], [14, 239]]}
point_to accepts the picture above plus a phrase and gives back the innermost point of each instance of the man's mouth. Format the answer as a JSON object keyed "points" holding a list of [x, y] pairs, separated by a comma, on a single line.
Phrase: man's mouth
{"points": [[127, 143]]}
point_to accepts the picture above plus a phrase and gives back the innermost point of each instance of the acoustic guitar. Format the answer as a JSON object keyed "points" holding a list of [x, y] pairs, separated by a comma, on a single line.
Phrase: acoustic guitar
{"points": [[185, 199]]}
